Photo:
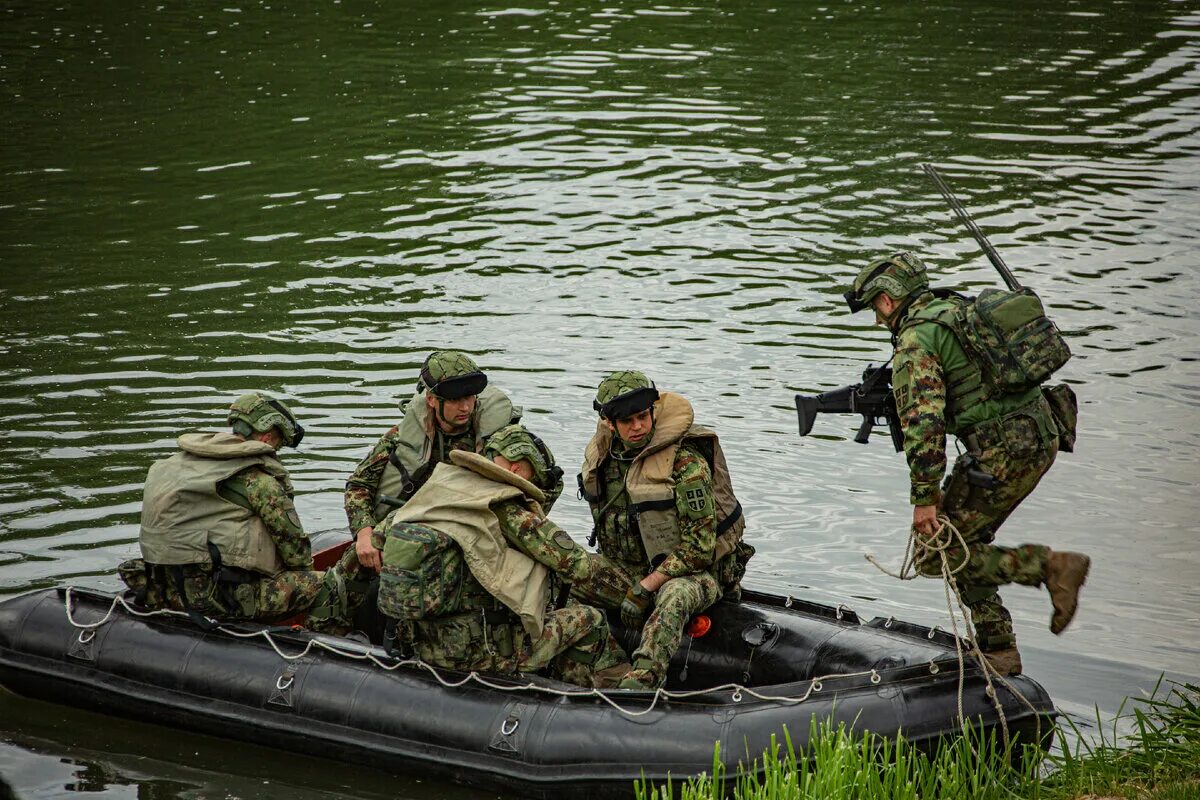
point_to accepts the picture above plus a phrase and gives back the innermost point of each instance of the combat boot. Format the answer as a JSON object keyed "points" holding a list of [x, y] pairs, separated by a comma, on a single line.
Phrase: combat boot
{"points": [[1065, 575], [611, 677], [640, 677], [1005, 662]]}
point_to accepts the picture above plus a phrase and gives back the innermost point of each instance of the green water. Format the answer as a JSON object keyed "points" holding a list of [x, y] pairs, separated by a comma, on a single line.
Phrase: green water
{"points": [[307, 198]]}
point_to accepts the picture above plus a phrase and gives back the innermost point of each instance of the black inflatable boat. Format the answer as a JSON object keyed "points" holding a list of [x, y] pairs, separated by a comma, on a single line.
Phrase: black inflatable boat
{"points": [[762, 664]]}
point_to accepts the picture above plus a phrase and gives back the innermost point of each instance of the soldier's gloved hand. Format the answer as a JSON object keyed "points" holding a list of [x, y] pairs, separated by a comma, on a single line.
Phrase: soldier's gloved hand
{"points": [[633, 608]]}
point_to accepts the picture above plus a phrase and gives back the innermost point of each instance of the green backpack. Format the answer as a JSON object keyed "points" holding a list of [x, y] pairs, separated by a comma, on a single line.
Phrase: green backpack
{"points": [[423, 573], [1016, 346]]}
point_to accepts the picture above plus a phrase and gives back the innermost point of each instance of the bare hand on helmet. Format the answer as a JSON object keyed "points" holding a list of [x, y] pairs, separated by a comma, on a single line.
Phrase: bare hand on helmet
{"points": [[368, 556]]}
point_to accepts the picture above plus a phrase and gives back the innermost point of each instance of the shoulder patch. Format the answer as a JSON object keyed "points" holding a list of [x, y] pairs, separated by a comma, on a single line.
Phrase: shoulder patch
{"points": [[695, 499]]}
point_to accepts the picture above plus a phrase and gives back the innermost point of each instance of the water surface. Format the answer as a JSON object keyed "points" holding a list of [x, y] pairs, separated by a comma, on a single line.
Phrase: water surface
{"points": [[200, 202]]}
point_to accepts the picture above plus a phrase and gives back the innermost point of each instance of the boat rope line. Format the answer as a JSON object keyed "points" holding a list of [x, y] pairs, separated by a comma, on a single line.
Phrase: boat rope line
{"points": [[922, 549], [737, 691]]}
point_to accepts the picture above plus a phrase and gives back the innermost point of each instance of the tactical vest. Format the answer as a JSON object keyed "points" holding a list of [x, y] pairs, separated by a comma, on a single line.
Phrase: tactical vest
{"points": [[412, 461], [182, 511], [651, 485], [1012, 346], [457, 501]]}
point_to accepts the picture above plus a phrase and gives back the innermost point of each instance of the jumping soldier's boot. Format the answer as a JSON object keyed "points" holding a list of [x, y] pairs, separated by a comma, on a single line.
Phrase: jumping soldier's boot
{"points": [[640, 677], [1065, 575], [1005, 662]]}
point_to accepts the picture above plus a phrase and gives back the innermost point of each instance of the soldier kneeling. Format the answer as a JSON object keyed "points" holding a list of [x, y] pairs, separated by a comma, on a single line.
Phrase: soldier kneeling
{"points": [[469, 563]]}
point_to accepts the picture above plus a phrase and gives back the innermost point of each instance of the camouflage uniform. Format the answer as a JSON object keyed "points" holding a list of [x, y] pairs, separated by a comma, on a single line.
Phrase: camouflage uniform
{"points": [[1013, 439], [691, 587], [363, 484], [329, 596], [481, 634]]}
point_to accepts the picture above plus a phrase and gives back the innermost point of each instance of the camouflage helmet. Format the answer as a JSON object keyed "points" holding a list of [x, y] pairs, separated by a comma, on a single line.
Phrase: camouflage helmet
{"points": [[898, 276], [623, 394], [451, 374], [517, 443], [257, 412]]}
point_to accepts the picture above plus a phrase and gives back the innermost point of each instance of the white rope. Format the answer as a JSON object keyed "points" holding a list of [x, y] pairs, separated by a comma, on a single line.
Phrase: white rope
{"points": [[737, 690], [922, 549]]}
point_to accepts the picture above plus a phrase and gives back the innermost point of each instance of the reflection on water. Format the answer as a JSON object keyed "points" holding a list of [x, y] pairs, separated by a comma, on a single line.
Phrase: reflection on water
{"points": [[309, 200]]}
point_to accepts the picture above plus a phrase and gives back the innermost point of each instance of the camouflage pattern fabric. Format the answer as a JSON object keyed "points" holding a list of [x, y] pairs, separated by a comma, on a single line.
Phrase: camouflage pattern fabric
{"points": [[331, 596], [621, 542], [692, 586], [674, 604], [594, 577], [1020, 447], [363, 484], [620, 383], [424, 574], [573, 646], [443, 364], [263, 494], [978, 513]]}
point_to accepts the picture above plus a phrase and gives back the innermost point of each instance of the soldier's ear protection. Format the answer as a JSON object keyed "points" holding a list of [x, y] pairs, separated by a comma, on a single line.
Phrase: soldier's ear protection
{"points": [[297, 428]]}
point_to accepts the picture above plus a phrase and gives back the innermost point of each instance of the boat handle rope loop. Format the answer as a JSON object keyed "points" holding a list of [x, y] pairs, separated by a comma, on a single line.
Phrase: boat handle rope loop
{"points": [[923, 549], [919, 548]]}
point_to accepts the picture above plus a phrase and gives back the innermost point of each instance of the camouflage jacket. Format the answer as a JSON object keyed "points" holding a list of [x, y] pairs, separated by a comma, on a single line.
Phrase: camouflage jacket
{"points": [[268, 498], [363, 484], [619, 538], [427, 576], [925, 353]]}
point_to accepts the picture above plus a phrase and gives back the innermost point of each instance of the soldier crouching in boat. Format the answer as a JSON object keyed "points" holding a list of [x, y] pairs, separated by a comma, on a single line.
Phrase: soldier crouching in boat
{"points": [[453, 409], [664, 512], [220, 536], [469, 566]]}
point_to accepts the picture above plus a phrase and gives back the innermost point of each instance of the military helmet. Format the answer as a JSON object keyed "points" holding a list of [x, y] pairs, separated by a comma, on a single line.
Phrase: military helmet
{"points": [[516, 443], [256, 411], [623, 394], [451, 374], [898, 275]]}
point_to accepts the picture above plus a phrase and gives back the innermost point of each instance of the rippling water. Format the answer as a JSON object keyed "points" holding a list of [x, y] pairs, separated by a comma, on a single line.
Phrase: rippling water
{"points": [[198, 202]]}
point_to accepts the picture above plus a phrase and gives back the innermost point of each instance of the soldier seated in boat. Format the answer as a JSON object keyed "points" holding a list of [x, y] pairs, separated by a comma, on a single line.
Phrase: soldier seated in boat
{"points": [[220, 536], [664, 512], [470, 564], [454, 408]]}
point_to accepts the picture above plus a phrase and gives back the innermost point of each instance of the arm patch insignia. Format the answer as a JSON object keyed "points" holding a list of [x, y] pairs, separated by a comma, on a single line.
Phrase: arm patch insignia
{"points": [[696, 499]]}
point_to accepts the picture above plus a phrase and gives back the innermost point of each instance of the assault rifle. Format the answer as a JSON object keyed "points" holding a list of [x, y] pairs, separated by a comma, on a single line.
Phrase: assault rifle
{"points": [[872, 399]]}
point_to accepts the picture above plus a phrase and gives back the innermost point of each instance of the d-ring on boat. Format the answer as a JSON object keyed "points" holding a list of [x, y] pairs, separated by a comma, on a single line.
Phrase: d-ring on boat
{"points": [[763, 664]]}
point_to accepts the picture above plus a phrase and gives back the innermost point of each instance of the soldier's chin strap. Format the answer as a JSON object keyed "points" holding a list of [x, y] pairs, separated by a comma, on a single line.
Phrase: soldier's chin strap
{"points": [[441, 412]]}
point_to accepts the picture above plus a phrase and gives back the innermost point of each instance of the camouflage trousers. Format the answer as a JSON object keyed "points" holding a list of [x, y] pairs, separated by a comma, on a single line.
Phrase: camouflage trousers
{"points": [[677, 601], [1018, 463], [575, 645], [330, 596]]}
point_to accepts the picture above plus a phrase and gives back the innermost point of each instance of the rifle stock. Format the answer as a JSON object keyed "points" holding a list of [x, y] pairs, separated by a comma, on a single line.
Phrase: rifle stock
{"points": [[872, 399]]}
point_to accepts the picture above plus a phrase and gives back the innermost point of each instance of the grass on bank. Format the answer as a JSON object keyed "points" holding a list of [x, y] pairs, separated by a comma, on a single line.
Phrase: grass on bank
{"points": [[1159, 760]]}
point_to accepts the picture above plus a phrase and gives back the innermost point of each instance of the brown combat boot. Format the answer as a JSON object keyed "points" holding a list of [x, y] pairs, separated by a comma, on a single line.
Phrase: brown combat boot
{"points": [[1065, 575], [1005, 662]]}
